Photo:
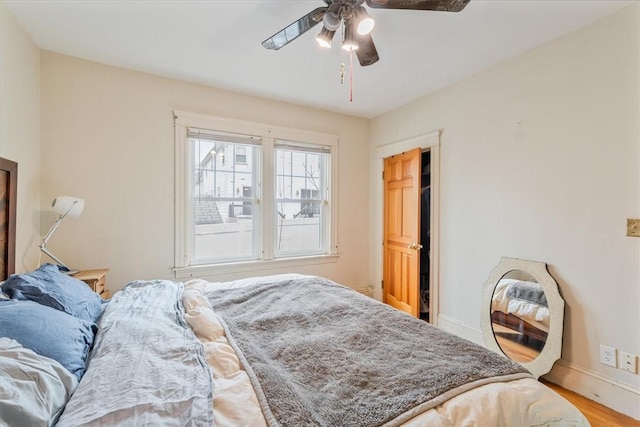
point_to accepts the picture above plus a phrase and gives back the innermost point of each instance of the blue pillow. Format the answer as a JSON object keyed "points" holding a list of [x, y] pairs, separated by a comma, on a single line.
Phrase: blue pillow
{"points": [[48, 332], [48, 286]]}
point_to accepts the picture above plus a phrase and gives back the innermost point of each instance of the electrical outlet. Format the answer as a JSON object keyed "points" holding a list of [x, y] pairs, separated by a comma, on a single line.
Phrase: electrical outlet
{"points": [[628, 362], [633, 227], [608, 355]]}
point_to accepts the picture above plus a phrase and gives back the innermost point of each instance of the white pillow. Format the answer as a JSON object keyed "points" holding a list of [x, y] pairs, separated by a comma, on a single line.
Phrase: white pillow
{"points": [[33, 388]]}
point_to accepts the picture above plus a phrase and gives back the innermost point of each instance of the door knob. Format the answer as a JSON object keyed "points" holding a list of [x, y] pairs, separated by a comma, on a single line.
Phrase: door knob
{"points": [[414, 246]]}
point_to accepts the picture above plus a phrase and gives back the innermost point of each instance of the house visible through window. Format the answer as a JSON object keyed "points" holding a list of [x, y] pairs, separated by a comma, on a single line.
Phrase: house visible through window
{"points": [[252, 193], [241, 155], [300, 178], [221, 216]]}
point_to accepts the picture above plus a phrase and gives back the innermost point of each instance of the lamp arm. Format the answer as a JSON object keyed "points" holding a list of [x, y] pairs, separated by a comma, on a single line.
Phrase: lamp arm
{"points": [[43, 245], [55, 226], [52, 230], [53, 257]]}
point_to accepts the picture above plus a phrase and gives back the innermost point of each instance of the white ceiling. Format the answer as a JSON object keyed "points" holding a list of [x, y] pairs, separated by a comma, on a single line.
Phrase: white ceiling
{"points": [[217, 43]]}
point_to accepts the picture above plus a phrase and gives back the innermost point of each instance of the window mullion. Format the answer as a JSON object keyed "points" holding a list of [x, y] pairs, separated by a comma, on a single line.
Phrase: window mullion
{"points": [[331, 220], [268, 199], [258, 206], [182, 208], [326, 203]]}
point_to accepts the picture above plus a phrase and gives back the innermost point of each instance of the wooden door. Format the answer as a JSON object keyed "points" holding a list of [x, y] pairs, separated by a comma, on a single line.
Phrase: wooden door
{"points": [[401, 286]]}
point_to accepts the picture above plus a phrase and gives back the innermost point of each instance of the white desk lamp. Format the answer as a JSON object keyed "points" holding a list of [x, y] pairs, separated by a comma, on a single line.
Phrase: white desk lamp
{"points": [[62, 206]]}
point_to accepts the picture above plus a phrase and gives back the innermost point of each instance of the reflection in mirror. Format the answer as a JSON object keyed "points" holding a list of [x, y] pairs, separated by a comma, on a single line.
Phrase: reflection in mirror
{"points": [[520, 316], [523, 314]]}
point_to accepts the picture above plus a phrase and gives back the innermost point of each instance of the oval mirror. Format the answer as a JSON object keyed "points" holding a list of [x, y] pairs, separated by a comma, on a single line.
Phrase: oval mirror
{"points": [[520, 316], [523, 314]]}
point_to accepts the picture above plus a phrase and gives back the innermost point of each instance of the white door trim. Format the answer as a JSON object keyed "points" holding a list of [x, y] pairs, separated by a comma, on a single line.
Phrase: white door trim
{"points": [[430, 141]]}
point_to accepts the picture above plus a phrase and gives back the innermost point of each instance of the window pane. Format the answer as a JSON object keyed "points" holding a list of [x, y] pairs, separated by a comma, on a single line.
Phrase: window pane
{"points": [[300, 197], [223, 201], [298, 227]]}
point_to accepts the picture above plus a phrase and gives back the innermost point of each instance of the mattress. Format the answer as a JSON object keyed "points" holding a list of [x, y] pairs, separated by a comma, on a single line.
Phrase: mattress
{"points": [[175, 354], [522, 402]]}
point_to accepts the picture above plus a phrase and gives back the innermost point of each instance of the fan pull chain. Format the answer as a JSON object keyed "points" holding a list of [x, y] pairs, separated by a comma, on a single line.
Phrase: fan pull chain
{"points": [[351, 76], [342, 73]]}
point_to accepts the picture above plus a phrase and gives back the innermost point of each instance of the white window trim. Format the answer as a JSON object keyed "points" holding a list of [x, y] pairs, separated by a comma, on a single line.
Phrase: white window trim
{"points": [[253, 267], [269, 134]]}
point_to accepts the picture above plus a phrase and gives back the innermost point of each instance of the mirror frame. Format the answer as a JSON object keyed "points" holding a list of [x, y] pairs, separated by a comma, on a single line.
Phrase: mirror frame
{"points": [[552, 350]]}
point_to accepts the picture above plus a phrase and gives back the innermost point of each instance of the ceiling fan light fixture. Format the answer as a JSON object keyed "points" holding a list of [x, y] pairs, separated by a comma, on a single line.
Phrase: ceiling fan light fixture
{"points": [[324, 37], [350, 42], [331, 19], [364, 22]]}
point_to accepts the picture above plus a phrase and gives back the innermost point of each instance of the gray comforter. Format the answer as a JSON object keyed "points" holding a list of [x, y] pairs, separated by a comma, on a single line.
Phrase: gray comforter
{"points": [[147, 368], [528, 291], [320, 354]]}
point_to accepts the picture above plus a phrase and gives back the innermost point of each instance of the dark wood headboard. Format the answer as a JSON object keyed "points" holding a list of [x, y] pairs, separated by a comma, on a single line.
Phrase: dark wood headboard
{"points": [[8, 199]]}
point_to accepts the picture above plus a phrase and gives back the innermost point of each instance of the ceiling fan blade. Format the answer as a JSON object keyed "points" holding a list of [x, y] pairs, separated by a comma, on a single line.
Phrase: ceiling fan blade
{"points": [[366, 53], [295, 30], [435, 5]]}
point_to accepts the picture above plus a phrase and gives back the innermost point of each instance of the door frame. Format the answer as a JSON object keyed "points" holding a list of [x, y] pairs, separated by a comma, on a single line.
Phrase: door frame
{"points": [[430, 141]]}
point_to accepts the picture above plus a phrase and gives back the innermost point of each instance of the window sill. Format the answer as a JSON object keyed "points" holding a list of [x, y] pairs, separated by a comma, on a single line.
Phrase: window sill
{"points": [[251, 266]]}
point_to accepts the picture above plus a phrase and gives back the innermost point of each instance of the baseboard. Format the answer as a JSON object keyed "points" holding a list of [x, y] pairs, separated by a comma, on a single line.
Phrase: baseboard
{"points": [[458, 328], [620, 397], [367, 290]]}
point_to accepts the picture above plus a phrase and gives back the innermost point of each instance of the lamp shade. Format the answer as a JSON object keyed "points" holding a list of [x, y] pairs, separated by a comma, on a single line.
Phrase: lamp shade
{"points": [[350, 43], [364, 22], [331, 19], [324, 37], [67, 206]]}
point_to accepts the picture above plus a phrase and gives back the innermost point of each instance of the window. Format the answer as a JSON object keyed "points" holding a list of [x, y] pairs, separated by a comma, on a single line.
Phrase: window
{"points": [[250, 194], [300, 196], [222, 223], [241, 155]]}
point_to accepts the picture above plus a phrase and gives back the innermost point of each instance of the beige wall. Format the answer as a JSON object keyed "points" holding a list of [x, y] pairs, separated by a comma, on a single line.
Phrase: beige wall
{"points": [[540, 160], [20, 130], [108, 137]]}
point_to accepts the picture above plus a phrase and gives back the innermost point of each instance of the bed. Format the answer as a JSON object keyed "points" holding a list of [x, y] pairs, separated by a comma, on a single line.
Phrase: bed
{"points": [[521, 306], [285, 350]]}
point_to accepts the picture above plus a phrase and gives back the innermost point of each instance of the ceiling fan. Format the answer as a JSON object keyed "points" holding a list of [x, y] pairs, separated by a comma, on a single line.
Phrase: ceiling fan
{"points": [[357, 23]]}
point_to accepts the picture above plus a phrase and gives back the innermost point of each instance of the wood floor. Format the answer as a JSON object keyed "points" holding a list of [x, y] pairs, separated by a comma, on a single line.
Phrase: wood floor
{"points": [[598, 415], [508, 341]]}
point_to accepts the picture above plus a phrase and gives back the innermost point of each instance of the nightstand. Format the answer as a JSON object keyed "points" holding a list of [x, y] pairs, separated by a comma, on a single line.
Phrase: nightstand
{"points": [[96, 280]]}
